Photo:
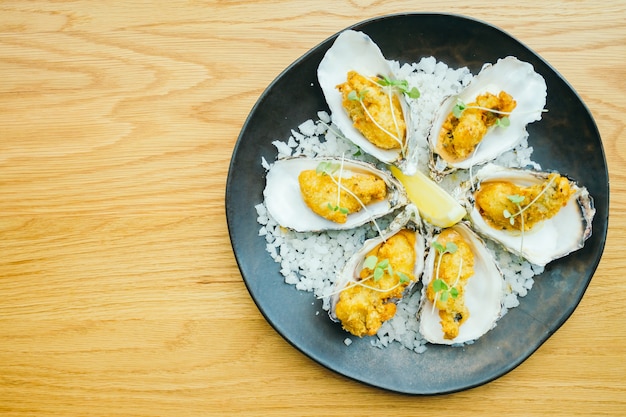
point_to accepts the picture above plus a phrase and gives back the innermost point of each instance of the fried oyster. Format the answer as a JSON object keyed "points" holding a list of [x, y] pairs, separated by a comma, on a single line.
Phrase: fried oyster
{"points": [[454, 268], [334, 197], [364, 305], [460, 135], [375, 112]]}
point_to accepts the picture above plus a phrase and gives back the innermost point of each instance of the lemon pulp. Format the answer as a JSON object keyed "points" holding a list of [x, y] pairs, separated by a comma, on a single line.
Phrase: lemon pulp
{"points": [[435, 205]]}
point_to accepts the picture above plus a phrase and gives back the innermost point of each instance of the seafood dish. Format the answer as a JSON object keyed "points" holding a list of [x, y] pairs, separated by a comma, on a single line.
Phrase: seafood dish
{"points": [[343, 226]]}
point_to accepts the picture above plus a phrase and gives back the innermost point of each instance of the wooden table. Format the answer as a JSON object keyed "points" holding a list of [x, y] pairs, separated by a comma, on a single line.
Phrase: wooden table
{"points": [[120, 295]]}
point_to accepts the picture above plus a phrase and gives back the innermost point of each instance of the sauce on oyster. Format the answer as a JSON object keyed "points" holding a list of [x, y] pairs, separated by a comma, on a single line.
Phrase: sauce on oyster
{"points": [[364, 305], [455, 266], [507, 206], [335, 196], [375, 111], [461, 133]]}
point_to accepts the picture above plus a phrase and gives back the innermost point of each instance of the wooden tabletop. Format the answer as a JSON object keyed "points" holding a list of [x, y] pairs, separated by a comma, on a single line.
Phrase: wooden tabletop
{"points": [[119, 291]]}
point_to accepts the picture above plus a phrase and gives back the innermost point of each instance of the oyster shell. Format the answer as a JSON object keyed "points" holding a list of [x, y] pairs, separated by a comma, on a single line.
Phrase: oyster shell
{"points": [[519, 80], [355, 51], [549, 239], [363, 310], [481, 295], [286, 205]]}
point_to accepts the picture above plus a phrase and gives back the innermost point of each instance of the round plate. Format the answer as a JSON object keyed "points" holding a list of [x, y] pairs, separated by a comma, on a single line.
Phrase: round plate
{"points": [[566, 140]]}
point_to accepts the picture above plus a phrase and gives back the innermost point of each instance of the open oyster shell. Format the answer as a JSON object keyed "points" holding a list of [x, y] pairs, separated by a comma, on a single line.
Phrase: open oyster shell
{"points": [[551, 239], [407, 219], [285, 203], [483, 294], [355, 51], [511, 75]]}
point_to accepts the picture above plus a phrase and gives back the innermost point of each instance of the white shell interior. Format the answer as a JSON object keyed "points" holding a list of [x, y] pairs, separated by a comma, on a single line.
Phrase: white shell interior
{"points": [[285, 203], [355, 51], [548, 240], [517, 78], [483, 295]]}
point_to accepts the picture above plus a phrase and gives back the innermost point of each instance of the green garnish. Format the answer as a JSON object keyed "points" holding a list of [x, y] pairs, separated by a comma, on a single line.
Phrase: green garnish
{"points": [[380, 267], [460, 107], [379, 271], [404, 278], [370, 262], [450, 247], [342, 210], [400, 85], [503, 121], [354, 96], [327, 168], [441, 288], [517, 200]]}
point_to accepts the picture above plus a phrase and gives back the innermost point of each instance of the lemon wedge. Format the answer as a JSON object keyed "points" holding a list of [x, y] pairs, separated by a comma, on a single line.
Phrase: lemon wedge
{"points": [[435, 205]]}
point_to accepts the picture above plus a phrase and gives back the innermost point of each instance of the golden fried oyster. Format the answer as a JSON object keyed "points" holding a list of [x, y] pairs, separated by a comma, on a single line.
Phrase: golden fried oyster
{"points": [[320, 193], [455, 266], [460, 135], [376, 112], [364, 306], [506, 206]]}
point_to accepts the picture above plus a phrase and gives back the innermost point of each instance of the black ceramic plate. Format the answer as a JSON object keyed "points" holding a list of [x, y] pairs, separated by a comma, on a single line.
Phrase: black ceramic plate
{"points": [[566, 139]]}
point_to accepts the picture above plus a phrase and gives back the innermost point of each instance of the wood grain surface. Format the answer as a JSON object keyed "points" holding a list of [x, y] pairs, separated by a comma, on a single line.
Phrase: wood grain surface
{"points": [[119, 292]]}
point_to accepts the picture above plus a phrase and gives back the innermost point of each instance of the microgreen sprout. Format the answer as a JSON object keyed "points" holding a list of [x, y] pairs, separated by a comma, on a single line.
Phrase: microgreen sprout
{"points": [[440, 285], [449, 247], [378, 268], [341, 210], [460, 107], [441, 288], [518, 200], [327, 168], [400, 85], [503, 121], [354, 96]]}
